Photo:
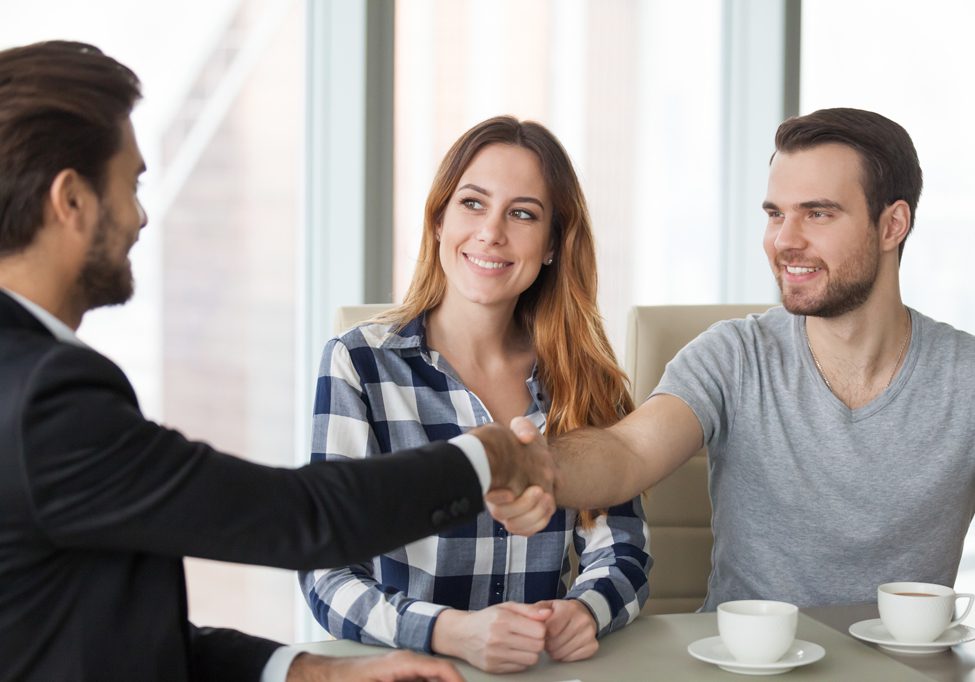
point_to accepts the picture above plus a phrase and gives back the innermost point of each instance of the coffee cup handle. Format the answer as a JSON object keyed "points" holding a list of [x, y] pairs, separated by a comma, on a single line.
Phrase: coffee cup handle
{"points": [[968, 609]]}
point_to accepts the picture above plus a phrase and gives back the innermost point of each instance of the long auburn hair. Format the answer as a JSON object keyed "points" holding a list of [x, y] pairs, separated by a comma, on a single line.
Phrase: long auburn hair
{"points": [[558, 311]]}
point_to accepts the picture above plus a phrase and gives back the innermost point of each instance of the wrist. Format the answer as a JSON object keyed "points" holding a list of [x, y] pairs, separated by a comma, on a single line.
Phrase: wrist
{"points": [[446, 627], [584, 607], [308, 667], [495, 442]]}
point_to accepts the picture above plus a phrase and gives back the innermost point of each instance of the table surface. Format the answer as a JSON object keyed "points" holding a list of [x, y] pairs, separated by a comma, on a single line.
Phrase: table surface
{"points": [[655, 647], [955, 665]]}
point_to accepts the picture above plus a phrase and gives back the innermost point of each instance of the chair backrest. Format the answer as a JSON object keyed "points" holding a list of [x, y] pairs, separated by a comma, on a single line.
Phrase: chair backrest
{"points": [[348, 316], [678, 508]]}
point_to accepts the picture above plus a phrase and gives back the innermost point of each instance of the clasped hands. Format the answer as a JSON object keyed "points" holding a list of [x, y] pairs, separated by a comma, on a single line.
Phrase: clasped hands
{"points": [[510, 637], [506, 637], [524, 476], [503, 638]]}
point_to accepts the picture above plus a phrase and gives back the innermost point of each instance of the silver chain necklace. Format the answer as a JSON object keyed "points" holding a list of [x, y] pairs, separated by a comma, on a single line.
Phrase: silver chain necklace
{"points": [[900, 356]]}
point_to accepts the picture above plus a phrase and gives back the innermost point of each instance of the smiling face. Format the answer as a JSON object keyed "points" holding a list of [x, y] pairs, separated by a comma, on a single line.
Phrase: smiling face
{"points": [[496, 228], [822, 247], [106, 277]]}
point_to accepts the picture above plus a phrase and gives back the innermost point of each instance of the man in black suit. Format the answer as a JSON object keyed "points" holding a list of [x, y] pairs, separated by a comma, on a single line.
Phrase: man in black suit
{"points": [[99, 505]]}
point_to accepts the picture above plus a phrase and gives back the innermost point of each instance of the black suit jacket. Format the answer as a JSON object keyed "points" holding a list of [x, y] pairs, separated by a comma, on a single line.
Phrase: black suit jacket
{"points": [[98, 506]]}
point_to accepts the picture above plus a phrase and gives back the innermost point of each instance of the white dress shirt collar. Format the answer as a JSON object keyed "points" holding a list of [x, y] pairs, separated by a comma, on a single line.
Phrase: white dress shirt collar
{"points": [[59, 329]]}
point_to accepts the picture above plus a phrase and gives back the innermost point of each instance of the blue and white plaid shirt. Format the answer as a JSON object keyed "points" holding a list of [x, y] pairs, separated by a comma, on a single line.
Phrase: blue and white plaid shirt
{"points": [[380, 391]]}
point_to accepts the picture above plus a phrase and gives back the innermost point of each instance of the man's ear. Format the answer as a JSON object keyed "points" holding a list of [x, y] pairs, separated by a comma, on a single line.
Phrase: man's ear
{"points": [[72, 200], [895, 223]]}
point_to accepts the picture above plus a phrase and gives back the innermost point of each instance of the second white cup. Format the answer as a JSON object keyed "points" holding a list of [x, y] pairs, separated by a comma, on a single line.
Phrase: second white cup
{"points": [[919, 612], [757, 630]]}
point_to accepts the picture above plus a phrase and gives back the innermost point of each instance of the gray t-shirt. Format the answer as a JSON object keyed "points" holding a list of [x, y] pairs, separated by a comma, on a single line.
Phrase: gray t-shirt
{"points": [[815, 503]]}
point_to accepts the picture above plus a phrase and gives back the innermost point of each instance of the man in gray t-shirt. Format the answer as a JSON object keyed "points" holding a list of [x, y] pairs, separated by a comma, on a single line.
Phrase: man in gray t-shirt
{"points": [[839, 427], [815, 502]]}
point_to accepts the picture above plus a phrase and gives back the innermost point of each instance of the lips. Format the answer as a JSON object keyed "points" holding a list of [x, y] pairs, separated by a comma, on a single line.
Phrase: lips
{"points": [[800, 269], [488, 262]]}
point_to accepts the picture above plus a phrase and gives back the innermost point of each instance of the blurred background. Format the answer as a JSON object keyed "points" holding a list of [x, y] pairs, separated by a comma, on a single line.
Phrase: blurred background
{"points": [[291, 144]]}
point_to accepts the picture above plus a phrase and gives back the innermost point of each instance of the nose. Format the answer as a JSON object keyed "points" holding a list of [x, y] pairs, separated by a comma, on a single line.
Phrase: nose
{"points": [[491, 229], [790, 235]]}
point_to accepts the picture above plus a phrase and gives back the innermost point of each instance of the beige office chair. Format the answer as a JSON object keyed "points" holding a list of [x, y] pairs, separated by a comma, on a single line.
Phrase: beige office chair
{"points": [[678, 508], [348, 316]]}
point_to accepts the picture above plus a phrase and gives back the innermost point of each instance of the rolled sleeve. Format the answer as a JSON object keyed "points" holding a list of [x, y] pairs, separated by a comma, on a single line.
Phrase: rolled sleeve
{"points": [[614, 561]]}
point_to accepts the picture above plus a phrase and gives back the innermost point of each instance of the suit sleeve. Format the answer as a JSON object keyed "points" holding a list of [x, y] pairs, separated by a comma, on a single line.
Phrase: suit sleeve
{"points": [[102, 476], [223, 654]]}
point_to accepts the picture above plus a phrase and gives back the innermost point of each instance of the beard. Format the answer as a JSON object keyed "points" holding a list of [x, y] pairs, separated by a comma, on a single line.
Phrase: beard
{"points": [[849, 287], [105, 280]]}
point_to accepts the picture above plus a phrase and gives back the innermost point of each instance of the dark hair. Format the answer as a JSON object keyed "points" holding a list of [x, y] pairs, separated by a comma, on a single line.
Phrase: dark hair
{"points": [[890, 170], [61, 106]]}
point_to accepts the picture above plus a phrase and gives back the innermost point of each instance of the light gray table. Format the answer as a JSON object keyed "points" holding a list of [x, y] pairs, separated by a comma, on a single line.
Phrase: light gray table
{"points": [[955, 665], [655, 648]]}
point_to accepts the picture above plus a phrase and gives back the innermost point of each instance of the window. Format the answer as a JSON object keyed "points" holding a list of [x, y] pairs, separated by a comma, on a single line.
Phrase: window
{"points": [[903, 60], [871, 61], [208, 341], [632, 89]]}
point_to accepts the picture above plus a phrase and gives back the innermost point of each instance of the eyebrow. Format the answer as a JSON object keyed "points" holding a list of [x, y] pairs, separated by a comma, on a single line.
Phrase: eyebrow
{"points": [[481, 190], [808, 205], [821, 203]]}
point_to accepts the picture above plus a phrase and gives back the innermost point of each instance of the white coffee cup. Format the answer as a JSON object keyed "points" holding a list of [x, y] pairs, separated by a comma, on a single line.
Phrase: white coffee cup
{"points": [[757, 630], [919, 612]]}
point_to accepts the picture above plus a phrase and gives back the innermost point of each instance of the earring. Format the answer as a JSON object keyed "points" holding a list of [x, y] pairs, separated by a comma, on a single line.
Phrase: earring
{"points": [[547, 261]]}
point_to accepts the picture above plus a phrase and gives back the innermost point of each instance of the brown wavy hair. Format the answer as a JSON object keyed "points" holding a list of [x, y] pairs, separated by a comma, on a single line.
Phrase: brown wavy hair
{"points": [[61, 106], [558, 311]]}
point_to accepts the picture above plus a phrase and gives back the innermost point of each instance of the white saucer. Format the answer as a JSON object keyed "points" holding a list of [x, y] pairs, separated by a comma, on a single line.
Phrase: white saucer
{"points": [[873, 630], [713, 650]]}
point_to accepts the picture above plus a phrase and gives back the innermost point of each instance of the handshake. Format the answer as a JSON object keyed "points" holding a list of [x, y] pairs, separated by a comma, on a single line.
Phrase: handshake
{"points": [[524, 475]]}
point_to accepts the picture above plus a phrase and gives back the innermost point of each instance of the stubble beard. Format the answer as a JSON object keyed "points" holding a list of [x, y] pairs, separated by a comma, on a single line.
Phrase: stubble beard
{"points": [[848, 288], [103, 281]]}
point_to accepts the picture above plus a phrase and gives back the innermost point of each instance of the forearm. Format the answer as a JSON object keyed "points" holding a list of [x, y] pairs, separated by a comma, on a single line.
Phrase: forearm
{"points": [[447, 638], [350, 604], [603, 467], [597, 469], [614, 560], [614, 597]]}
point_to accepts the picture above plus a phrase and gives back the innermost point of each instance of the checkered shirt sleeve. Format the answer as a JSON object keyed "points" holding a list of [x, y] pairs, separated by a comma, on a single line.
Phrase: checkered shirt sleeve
{"points": [[378, 392]]}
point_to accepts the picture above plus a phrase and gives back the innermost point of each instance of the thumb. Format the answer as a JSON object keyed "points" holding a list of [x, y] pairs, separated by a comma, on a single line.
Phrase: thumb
{"points": [[499, 496], [524, 429], [539, 612]]}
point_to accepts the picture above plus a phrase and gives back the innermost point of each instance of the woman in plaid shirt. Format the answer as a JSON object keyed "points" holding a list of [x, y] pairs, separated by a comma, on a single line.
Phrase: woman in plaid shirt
{"points": [[500, 321]]}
